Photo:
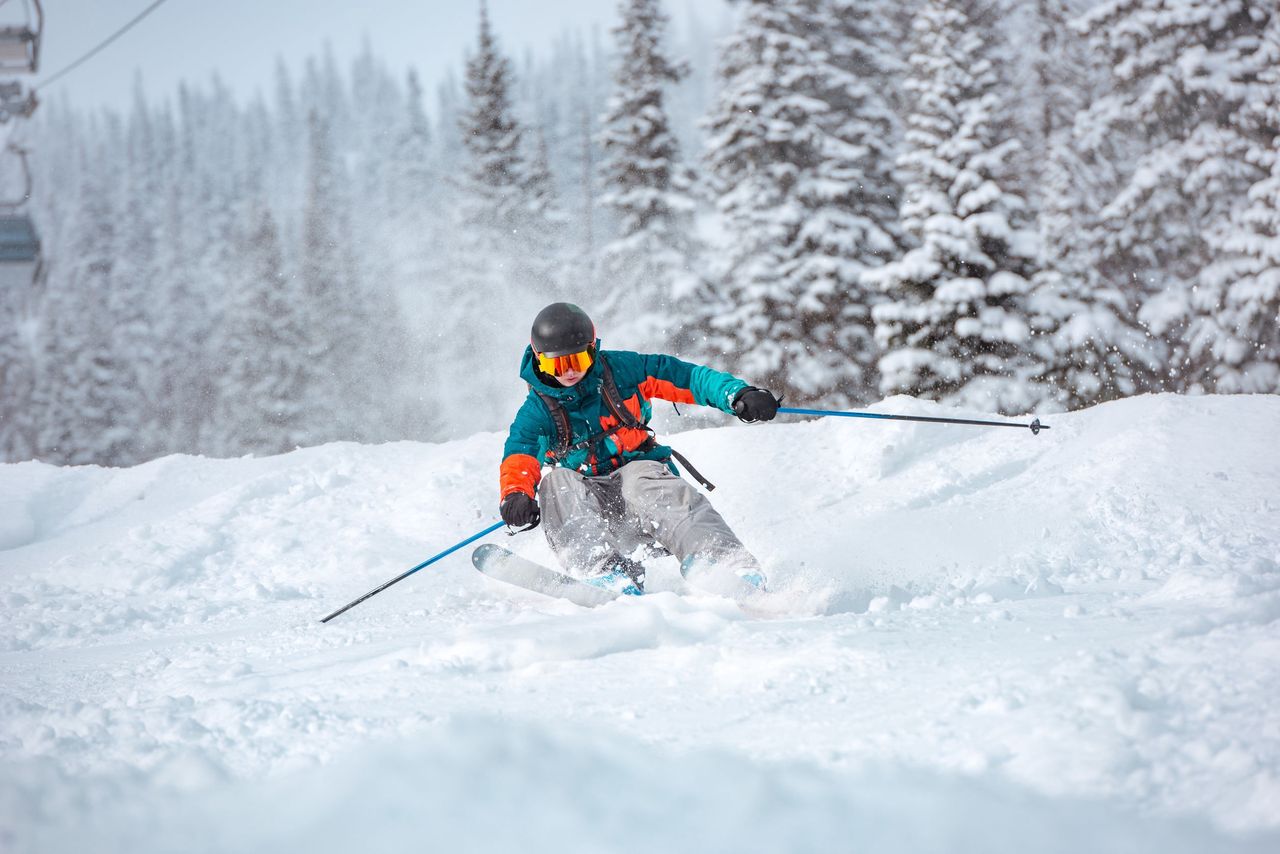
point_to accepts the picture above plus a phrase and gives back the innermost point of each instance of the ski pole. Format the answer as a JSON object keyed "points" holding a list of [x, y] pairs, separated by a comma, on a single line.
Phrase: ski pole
{"points": [[1035, 426], [404, 575]]}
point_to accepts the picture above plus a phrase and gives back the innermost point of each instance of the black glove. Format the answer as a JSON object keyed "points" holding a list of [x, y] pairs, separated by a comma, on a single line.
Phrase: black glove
{"points": [[755, 404], [520, 511]]}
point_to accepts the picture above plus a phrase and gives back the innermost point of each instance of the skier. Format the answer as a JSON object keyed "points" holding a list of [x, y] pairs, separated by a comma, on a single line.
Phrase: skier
{"points": [[613, 489]]}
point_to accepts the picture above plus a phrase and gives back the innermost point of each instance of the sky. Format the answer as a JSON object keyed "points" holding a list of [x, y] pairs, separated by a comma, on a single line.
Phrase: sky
{"points": [[240, 40]]}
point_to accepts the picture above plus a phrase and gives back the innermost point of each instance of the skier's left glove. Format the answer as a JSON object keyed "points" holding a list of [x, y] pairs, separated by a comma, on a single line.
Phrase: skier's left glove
{"points": [[755, 404], [520, 511]]}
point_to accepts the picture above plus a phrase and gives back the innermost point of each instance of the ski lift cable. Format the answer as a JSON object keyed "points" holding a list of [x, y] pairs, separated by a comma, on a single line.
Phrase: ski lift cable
{"points": [[44, 84]]}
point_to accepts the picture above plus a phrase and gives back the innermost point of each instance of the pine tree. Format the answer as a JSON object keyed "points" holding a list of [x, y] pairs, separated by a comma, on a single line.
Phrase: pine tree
{"points": [[65, 432], [377, 116], [267, 378], [546, 229], [135, 272], [799, 153], [1093, 347], [450, 124], [1237, 326], [88, 391], [649, 264], [497, 282], [415, 194], [955, 327], [1185, 76], [203, 211], [586, 107], [567, 97], [182, 330], [17, 375], [336, 315], [495, 173], [413, 223], [285, 179], [540, 190]]}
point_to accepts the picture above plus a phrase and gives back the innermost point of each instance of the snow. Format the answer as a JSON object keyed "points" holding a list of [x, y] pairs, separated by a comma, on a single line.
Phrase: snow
{"points": [[982, 640]]}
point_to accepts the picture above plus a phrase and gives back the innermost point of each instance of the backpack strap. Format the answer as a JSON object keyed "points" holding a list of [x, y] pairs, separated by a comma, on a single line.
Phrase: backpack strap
{"points": [[613, 398], [564, 432]]}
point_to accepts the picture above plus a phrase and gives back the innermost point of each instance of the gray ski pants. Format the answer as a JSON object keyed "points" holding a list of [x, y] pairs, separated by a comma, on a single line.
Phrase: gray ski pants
{"points": [[591, 521]]}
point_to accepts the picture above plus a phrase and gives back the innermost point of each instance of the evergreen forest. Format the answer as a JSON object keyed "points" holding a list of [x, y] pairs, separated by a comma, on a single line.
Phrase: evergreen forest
{"points": [[1009, 206]]}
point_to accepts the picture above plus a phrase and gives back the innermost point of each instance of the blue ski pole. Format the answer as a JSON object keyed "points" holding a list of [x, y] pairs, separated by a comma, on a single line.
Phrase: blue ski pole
{"points": [[1035, 426], [427, 562]]}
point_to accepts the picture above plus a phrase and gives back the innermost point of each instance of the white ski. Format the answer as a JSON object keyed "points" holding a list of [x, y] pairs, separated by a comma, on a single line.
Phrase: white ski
{"points": [[497, 562]]}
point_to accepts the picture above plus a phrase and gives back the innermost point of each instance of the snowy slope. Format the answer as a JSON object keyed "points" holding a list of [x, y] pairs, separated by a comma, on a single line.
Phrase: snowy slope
{"points": [[986, 641]]}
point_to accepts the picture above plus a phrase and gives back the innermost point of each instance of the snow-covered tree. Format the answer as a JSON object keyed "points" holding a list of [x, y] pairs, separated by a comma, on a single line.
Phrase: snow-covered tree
{"points": [[492, 189], [136, 269], [1093, 347], [580, 155], [1238, 332], [647, 270], [546, 231], [1237, 327], [414, 197], [411, 224], [267, 379], [203, 209], [492, 136], [497, 272], [66, 433], [88, 393], [378, 115], [284, 179], [17, 376], [337, 313], [800, 150], [955, 324], [1185, 76], [183, 329]]}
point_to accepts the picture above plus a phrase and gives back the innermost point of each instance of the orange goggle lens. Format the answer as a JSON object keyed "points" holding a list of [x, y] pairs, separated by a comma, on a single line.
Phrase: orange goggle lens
{"points": [[558, 365]]}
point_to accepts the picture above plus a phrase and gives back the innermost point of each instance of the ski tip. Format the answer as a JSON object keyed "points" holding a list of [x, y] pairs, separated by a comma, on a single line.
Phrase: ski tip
{"points": [[484, 553]]}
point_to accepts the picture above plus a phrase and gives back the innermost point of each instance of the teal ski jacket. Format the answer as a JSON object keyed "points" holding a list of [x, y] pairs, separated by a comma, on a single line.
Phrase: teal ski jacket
{"points": [[640, 377]]}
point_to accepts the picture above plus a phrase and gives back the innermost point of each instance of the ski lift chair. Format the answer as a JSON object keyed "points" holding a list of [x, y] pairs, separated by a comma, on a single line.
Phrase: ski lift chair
{"points": [[19, 243], [17, 49], [14, 102], [20, 44], [19, 252]]}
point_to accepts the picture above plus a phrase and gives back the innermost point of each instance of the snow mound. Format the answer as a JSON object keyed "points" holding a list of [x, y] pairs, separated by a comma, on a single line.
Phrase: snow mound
{"points": [[981, 640], [482, 785]]}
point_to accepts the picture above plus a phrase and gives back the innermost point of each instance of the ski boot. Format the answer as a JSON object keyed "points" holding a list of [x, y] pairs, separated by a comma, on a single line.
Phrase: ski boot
{"points": [[621, 575], [700, 568]]}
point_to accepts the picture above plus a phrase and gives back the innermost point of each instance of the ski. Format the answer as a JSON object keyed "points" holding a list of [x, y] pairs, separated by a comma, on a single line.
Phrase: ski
{"points": [[507, 566]]}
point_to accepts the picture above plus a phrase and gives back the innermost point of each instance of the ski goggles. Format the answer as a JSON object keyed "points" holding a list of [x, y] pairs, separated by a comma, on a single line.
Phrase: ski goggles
{"points": [[556, 366]]}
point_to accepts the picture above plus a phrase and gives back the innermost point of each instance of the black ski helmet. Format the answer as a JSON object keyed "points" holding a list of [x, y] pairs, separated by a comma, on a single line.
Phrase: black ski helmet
{"points": [[562, 328]]}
